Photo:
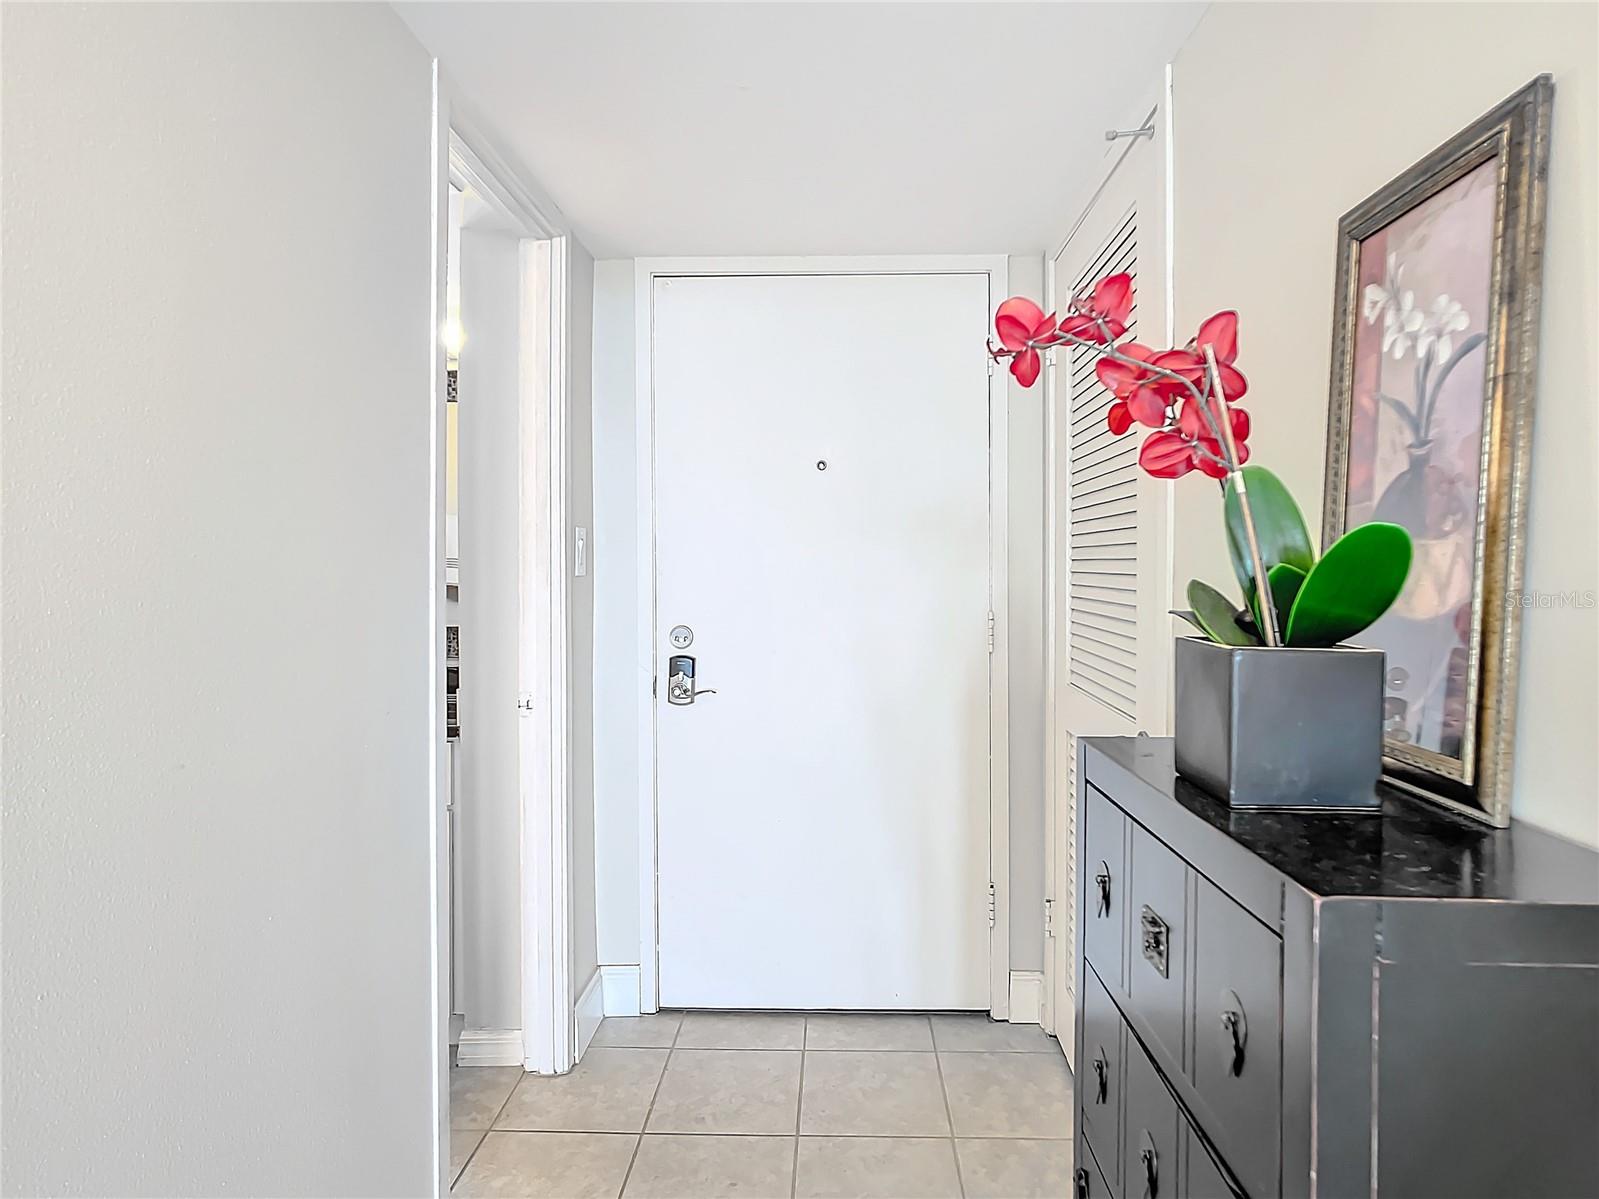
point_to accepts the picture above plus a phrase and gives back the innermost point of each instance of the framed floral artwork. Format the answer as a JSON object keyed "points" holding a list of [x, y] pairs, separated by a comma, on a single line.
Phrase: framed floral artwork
{"points": [[1435, 331]]}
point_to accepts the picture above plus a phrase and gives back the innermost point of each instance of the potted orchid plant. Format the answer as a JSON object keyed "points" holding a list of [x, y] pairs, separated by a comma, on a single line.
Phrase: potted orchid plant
{"points": [[1273, 708]]}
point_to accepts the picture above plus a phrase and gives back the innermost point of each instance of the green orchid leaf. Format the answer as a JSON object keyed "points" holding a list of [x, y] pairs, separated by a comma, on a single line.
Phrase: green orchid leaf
{"points": [[1279, 526], [1356, 581], [1284, 582], [1246, 621], [1216, 616], [1185, 614], [1250, 618]]}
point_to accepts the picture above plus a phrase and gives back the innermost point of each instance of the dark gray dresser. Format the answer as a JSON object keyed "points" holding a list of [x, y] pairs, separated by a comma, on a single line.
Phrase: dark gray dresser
{"points": [[1402, 1005]]}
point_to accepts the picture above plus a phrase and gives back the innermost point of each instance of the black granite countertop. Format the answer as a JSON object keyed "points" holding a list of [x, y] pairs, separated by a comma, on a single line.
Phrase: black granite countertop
{"points": [[1411, 849]]}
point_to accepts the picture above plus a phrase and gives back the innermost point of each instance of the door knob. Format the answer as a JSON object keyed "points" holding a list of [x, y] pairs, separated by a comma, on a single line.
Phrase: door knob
{"points": [[680, 686]]}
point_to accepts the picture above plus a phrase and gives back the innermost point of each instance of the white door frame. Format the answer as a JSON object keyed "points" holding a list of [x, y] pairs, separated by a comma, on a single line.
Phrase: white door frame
{"points": [[1059, 1014], [646, 270], [438, 740], [548, 1033]]}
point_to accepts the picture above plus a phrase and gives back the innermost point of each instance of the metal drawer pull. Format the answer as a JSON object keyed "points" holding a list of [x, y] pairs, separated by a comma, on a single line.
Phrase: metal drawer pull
{"points": [[1157, 941], [1081, 1178], [1102, 879], [1151, 1161], [1236, 1027], [1101, 1077]]}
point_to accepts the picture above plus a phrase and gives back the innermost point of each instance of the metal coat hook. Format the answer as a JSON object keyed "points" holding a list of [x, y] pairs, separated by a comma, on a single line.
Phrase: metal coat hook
{"points": [[1145, 130]]}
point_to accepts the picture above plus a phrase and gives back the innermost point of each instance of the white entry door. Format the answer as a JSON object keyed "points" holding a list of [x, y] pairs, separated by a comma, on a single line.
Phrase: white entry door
{"points": [[822, 528], [1108, 576]]}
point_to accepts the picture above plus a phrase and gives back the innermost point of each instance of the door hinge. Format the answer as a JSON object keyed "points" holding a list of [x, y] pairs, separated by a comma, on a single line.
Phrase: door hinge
{"points": [[990, 632], [993, 902], [1049, 917]]}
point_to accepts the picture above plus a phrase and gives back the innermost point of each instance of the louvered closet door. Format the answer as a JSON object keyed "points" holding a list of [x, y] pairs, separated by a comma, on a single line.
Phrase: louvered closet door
{"points": [[1109, 571]]}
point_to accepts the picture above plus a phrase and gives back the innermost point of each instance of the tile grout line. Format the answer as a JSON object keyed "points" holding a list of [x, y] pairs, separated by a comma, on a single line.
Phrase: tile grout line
{"points": [[807, 1136], [495, 1119], [638, 1142], [954, 1147], [805, 1049], [799, 1107], [820, 1049]]}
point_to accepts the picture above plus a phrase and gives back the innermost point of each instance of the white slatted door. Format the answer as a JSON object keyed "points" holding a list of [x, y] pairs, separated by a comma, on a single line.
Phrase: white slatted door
{"points": [[1109, 573]]}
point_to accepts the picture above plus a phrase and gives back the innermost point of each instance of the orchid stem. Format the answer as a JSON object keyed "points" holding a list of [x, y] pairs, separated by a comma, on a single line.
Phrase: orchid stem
{"points": [[1268, 608], [1108, 349]]}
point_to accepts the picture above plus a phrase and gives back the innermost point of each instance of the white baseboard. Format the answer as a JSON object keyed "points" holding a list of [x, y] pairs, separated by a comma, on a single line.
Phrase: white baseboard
{"points": [[1026, 996], [590, 1011], [1066, 1030], [620, 987], [490, 1047]]}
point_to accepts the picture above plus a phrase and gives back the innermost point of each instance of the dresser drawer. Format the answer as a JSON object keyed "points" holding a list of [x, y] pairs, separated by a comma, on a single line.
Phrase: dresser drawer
{"points": [[1205, 1179], [1104, 886], [1151, 1124], [1088, 1180], [1158, 963], [1103, 1041], [1237, 1035]]}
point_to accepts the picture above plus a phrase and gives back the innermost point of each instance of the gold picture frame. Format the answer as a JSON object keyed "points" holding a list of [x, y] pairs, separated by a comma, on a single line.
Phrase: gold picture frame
{"points": [[1449, 732]]}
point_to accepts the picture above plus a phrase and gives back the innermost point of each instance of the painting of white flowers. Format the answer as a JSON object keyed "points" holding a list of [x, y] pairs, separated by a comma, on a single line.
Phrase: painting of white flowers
{"points": [[1429, 426], [1415, 441]]}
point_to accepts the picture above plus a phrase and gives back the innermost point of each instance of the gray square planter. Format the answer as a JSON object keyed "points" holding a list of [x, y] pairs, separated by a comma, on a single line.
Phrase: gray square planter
{"points": [[1280, 728]]}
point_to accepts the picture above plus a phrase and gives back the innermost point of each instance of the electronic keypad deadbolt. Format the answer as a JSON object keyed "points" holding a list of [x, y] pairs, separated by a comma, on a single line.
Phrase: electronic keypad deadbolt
{"points": [[680, 688]]}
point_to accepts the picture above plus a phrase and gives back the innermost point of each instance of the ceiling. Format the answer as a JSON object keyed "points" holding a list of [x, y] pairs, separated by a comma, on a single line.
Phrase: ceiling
{"points": [[806, 128]]}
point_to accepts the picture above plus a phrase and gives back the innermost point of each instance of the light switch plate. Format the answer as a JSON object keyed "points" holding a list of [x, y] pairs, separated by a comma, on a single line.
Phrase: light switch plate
{"points": [[580, 553]]}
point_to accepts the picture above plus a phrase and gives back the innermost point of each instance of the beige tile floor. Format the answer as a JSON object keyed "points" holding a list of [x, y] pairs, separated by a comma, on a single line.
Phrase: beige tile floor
{"points": [[701, 1105]]}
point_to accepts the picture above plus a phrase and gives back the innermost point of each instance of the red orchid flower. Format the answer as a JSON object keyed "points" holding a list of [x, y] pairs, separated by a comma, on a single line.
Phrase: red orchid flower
{"points": [[1213, 462], [1141, 395], [1168, 391], [1209, 456], [1019, 323], [1220, 333], [1101, 316], [1167, 455], [1192, 424]]}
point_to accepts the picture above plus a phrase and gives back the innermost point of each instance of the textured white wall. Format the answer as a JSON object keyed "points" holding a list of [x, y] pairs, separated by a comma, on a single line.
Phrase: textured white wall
{"points": [[1026, 594], [620, 681], [580, 513], [216, 434], [488, 806], [1273, 145]]}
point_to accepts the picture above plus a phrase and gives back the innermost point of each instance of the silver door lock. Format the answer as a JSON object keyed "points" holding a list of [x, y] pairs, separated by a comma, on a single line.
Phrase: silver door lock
{"points": [[680, 688]]}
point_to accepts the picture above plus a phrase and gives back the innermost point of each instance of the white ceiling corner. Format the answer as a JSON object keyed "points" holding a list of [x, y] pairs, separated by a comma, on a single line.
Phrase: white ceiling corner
{"points": [[806, 128]]}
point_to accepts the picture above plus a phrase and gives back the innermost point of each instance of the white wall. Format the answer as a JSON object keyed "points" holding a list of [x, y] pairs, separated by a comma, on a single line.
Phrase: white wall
{"points": [[621, 663], [621, 672], [580, 513], [217, 240], [1286, 117], [488, 805], [1026, 557]]}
